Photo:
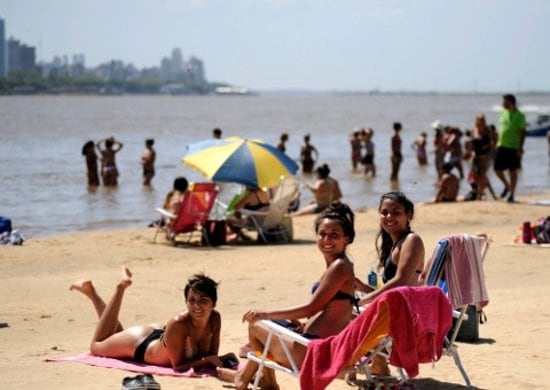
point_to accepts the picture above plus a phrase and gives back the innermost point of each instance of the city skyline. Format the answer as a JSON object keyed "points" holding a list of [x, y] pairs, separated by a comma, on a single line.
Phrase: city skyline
{"points": [[354, 45]]}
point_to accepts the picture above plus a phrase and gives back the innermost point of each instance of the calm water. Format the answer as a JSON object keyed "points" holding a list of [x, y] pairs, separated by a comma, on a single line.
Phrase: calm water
{"points": [[43, 174]]}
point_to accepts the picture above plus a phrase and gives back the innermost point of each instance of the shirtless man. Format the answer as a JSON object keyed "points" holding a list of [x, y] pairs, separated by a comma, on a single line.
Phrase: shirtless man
{"points": [[325, 190], [109, 171], [148, 162], [189, 339]]}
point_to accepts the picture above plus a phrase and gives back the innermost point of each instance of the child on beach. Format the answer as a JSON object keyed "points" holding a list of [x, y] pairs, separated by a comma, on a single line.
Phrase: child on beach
{"points": [[190, 339], [328, 311]]}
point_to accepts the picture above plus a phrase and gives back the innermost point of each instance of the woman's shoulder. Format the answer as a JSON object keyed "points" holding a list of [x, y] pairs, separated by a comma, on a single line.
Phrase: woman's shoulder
{"points": [[413, 240]]}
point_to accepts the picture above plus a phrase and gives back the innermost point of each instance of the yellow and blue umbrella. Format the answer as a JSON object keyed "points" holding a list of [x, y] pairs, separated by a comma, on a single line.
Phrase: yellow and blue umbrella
{"points": [[239, 160]]}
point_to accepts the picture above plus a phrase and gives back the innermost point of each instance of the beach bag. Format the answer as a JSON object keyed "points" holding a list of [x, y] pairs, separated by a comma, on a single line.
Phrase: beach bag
{"points": [[469, 329], [214, 233], [5, 225]]}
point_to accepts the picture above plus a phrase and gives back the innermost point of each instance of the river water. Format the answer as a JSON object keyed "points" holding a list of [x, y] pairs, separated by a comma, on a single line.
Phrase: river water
{"points": [[43, 176]]}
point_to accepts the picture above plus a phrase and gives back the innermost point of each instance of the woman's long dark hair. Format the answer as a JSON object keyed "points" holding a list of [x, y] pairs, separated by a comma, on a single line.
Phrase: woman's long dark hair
{"points": [[384, 243]]}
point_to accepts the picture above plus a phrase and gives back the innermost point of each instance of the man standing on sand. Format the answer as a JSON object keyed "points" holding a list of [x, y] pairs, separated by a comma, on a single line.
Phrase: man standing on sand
{"points": [[510, 145]]}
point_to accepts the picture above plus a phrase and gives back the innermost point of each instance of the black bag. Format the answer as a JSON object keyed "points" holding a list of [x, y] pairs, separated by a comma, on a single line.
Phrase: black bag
{"points": [[214, 233], [469, 329]]}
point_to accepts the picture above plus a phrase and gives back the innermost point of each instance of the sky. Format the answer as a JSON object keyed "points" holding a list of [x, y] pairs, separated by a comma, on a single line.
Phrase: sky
{"points": [[318, 45]]}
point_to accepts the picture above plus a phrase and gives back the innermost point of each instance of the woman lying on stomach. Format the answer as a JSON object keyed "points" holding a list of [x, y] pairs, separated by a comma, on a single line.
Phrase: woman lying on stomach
{"points": [[190, 339]]}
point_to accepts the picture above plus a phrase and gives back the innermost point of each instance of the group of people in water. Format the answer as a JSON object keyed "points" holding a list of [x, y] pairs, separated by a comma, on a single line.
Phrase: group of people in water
{"points": [[191, 338], [107, 149], [480, 147]]}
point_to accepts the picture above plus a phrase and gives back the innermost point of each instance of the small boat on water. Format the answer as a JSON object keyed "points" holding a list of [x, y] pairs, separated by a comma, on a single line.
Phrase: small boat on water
{"points": [[540, 127]]}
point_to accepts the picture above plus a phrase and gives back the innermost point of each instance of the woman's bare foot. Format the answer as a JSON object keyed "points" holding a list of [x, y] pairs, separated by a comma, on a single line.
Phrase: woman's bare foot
{"points": [[231, 376], [85, 286], [126, 277]]}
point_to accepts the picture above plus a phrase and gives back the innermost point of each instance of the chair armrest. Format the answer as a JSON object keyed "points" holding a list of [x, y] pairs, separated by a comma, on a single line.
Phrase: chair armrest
{"points": [[166, 213], [253, 213], [282, 331]]}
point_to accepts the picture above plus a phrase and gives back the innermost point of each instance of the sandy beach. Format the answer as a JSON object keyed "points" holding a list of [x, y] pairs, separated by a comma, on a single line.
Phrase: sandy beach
{"points": [[41, 317]]}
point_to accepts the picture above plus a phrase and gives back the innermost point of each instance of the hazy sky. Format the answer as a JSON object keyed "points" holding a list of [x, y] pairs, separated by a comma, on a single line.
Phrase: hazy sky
{"points": [[439, 45]]}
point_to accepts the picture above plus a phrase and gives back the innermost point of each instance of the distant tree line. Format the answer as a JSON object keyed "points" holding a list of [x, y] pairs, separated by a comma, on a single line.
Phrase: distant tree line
{"points": [[31, 82]]}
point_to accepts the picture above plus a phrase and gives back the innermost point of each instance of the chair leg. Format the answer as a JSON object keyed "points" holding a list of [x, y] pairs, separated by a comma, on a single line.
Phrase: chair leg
{"points": [[458, 363]]}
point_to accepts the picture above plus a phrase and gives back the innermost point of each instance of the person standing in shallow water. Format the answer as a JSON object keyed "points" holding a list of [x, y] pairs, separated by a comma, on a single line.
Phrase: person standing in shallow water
{"points": [[511, 136], [88, 150], [109, 171], [306, 155], [148, 161], [396, 155]]}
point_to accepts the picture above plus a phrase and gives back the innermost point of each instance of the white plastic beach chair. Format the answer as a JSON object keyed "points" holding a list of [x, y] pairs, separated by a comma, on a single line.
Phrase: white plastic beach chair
{"points": [[275, 222]]}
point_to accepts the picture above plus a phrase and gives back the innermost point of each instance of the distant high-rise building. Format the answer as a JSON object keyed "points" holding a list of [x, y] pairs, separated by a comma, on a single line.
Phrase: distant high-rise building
{"points": [[20, 56], [177, 61], [3, 60], [196, 68], [14, 57], [27, 56]]}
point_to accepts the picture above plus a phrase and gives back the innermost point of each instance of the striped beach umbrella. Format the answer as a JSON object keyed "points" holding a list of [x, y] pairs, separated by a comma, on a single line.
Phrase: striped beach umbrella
{"points": [[245, 161]]}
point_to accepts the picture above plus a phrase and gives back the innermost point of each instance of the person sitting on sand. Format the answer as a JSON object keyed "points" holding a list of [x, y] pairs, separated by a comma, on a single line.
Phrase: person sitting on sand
{"points": [[328, 311], [400, 254], [448, 185], [190, 339], [325, 190]]}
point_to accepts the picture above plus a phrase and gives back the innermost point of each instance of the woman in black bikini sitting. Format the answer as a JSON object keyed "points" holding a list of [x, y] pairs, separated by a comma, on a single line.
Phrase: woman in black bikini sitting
{"points": [[189, 339], [401, 253], [328, 311]]}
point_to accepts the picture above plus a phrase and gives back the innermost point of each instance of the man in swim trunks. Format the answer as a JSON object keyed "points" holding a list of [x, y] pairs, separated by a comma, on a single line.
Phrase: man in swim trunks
{"points": [[511, 136]]}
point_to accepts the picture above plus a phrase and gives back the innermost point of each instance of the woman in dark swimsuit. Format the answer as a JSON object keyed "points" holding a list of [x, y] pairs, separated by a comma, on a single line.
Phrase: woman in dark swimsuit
{"points": [[400, 250], [328, 311], [189, 339]]}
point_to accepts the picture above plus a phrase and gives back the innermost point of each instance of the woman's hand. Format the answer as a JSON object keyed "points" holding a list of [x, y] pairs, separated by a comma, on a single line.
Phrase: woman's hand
{"points": [[212, 360], [254, 315], [359, 285]]}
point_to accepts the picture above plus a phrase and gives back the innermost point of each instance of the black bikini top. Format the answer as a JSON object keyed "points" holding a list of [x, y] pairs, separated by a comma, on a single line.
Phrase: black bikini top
{"points": [[340, 295]]}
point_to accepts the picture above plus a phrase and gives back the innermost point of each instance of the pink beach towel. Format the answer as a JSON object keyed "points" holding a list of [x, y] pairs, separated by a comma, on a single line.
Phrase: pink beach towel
{"points": [[125, 365], [464, 273]]}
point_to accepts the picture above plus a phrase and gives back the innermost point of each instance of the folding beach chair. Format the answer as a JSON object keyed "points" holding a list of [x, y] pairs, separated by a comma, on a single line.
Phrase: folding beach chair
{"points": [[456, 267], [275, 224], [193, 213], [405, 324]]}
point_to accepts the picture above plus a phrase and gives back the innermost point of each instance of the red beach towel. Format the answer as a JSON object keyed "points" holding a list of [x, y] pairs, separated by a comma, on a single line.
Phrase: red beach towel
{"points": [[419, 319]]}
